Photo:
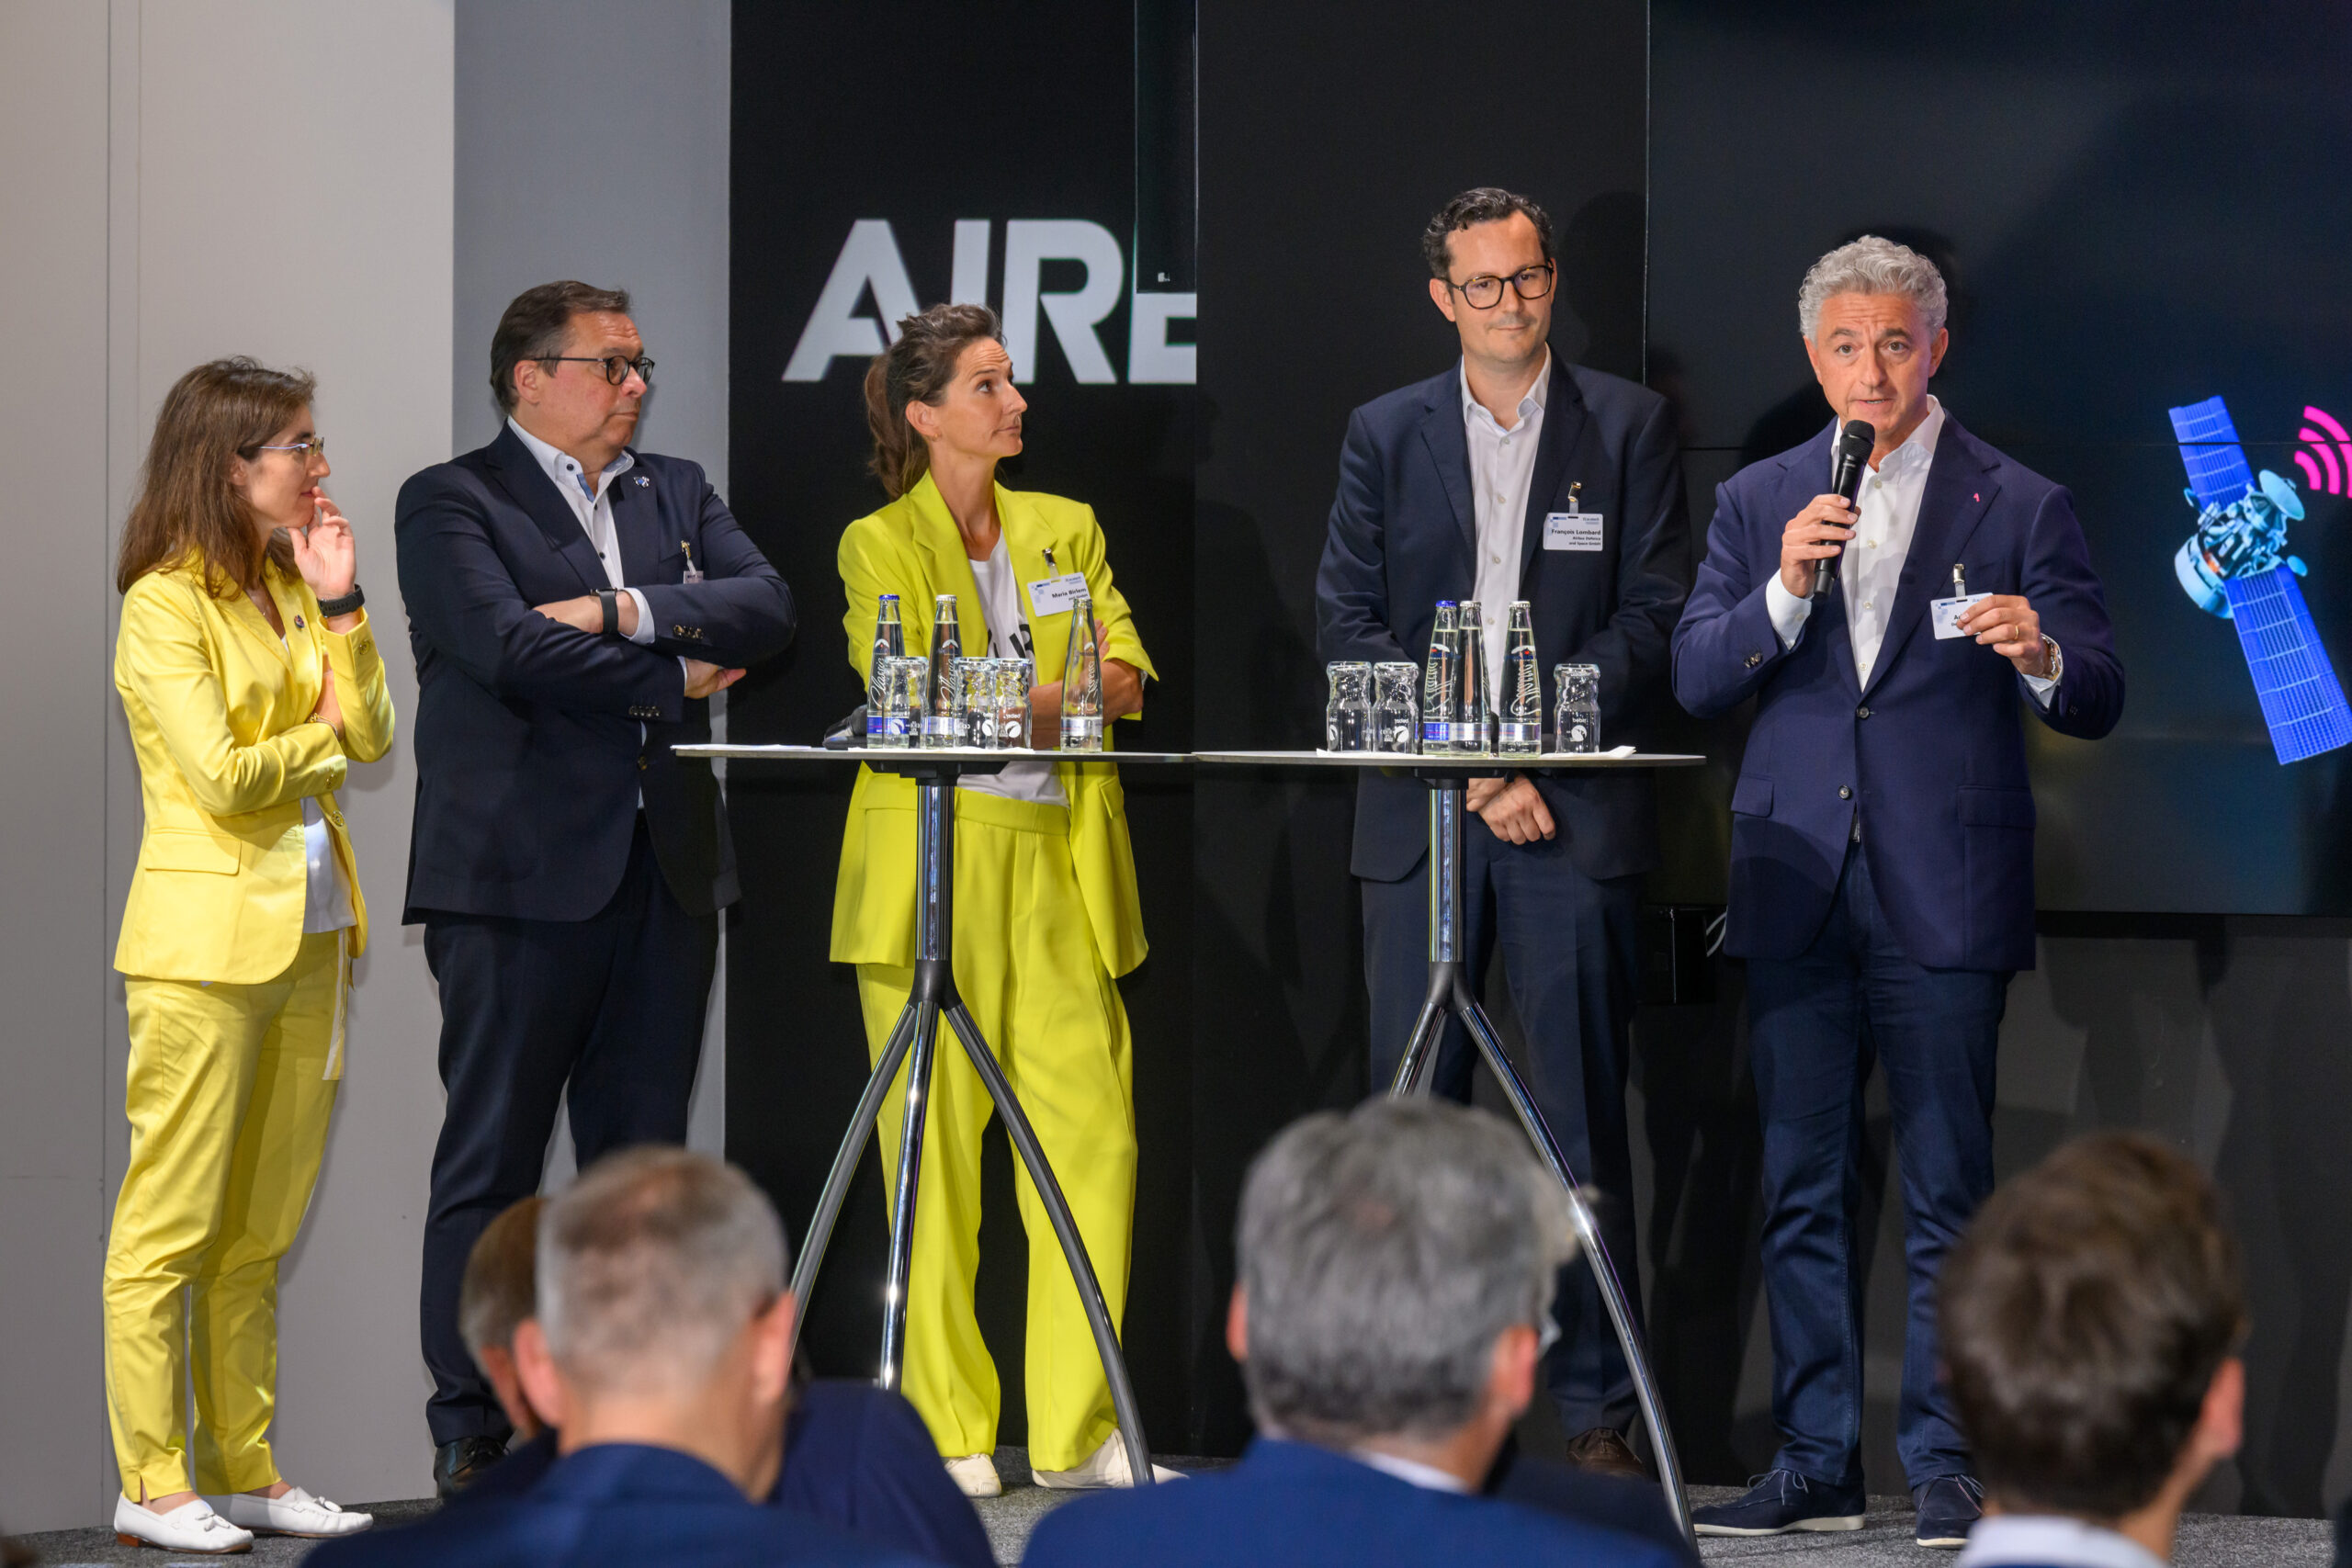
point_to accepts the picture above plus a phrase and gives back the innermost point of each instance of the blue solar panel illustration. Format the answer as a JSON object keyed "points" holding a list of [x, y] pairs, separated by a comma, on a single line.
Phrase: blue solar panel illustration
{"points": [[2240, 549], [2209, 446], [2302, 700]]}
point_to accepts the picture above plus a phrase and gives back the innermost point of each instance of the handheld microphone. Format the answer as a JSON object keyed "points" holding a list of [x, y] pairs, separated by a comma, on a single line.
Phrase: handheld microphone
{"points": [[1854, 445]]}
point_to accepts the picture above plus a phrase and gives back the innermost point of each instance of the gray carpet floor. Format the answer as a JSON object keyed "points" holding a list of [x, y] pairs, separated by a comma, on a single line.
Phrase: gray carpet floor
{"points": [[2207, 1541]]}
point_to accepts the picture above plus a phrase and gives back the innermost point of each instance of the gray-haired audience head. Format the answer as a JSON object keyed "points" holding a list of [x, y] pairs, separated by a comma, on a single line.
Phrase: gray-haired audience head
{"points": [[649, 1266], [1382, 1253], [1873, 266]]}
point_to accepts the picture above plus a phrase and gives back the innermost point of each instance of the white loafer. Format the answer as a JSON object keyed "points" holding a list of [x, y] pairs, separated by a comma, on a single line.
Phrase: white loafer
{"points": [[1105, 1467], [297, 1513], [191, 1527], [975, 1476]]}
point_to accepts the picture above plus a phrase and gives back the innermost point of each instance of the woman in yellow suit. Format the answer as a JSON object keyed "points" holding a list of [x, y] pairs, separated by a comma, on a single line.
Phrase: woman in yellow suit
{"points": [[250, 678], [1045, 905]]}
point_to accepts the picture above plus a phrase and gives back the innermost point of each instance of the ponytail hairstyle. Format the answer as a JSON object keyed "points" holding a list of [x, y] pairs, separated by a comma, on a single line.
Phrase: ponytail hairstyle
{"points": [[188, 509], [917, 368]]}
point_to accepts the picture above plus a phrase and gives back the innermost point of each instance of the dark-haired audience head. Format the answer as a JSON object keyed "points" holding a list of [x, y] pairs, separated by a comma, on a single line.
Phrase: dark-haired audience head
{"points": [[500, 1291], [553, 360], [1491, 271], [1396, 1265], [663, 1313], [2090, 1320]]}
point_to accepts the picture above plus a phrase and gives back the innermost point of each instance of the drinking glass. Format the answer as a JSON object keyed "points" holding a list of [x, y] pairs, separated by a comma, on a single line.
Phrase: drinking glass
{"points": [[1577, 728]]}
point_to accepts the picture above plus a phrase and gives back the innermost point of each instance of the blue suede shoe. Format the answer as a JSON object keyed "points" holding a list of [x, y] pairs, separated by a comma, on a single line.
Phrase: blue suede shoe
{"points": [[1778, 1502], [1948, 1505]]}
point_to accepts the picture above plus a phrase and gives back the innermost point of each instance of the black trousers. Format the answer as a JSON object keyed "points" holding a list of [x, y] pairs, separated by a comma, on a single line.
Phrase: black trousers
{"points": [[611, 1005], [1569, 958]]}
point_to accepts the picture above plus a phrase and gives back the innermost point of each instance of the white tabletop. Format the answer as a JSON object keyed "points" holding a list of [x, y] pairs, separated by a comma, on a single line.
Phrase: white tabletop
{"points": [[1547, 761], [896, 754]]}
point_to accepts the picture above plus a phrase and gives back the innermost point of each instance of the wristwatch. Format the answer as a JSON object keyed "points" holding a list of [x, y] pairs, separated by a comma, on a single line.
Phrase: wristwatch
{"points": [[343, 606], [610, 598], [2053, 661]]}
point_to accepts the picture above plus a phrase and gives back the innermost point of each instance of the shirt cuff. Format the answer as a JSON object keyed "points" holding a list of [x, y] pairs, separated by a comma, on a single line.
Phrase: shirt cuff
{"points": [[1788, 612], [686, 676], [2042, 685], [644, 633]]}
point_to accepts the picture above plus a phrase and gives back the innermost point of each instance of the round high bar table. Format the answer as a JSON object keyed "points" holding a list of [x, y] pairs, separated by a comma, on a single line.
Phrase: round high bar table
{"points": [[1451, 991], [933, 998]]}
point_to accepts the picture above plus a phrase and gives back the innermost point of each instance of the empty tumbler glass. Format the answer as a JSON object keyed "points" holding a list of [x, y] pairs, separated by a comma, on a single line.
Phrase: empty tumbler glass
{"points": [[1579, 723], [1395, 707], [1347, 717], [1012, 702]]}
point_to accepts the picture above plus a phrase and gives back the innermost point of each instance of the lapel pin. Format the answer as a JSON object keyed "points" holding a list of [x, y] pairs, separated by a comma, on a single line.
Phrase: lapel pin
{"points": [[1977, 495], [642, 481], [298, 623]]}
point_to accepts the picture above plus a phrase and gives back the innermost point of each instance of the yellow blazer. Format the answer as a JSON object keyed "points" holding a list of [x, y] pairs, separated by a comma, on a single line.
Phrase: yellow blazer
{"points": [[219, 719], [911, 548]]}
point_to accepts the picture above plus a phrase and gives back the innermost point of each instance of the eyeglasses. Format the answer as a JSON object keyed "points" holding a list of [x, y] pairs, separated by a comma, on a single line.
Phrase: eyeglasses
{"points": [[315, 447], [617, 368], [1485, 291]]}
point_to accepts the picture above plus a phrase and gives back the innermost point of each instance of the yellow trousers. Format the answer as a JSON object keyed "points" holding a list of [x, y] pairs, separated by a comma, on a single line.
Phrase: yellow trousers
{"points": [[1028, 972], [229, 1091]]}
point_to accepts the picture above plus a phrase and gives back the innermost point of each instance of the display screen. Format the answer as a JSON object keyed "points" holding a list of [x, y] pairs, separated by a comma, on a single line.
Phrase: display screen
{"points": [[2143, 231]]}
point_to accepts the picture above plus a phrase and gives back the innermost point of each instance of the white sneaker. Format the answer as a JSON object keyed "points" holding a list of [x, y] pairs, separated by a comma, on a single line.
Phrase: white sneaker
{"points": [[297, 1513], [975, 1476], [1106, 1466], [191, 1527]]}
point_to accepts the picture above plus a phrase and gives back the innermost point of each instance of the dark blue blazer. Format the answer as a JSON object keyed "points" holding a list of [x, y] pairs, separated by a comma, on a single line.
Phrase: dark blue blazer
{"points": [[854, 1455], [1296, 1506], [533, 739], [619, 1504], [1933, 752], [1404, 535]]}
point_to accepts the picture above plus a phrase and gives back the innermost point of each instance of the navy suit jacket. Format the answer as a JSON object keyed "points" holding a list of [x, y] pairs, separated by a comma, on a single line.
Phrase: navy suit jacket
{"points": [[854, 1455], [1297, 1506], [616, 1505], [1404, 535], [1933, 752], [533, 738]]}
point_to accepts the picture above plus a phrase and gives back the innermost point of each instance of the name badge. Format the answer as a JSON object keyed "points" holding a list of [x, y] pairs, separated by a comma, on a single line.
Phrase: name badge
{"points": [[1572, 530], [1947, 611], [1055, 595]]}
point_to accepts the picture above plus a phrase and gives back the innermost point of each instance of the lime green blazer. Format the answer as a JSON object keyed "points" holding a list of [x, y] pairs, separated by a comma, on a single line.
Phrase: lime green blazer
{"points": [[911, 548]]}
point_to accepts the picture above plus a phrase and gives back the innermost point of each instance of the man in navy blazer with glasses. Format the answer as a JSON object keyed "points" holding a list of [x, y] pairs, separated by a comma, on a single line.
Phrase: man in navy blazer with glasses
{"points": [[574, 603], [1882, 860], [1513, 475]]}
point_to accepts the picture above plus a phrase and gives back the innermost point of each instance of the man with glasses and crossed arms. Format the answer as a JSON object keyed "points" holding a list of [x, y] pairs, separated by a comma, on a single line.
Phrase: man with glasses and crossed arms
{"points": [[572, 605], [1512, 476]]}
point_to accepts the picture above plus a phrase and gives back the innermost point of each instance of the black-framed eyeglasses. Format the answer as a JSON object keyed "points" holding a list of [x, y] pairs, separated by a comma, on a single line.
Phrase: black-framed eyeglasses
{"points": [[1485, 291], [616, 367], [304, 450]]}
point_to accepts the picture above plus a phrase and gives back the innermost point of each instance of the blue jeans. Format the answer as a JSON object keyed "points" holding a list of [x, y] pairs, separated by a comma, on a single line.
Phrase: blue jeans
{"points": [[1568, 957], [1815, 1023]]}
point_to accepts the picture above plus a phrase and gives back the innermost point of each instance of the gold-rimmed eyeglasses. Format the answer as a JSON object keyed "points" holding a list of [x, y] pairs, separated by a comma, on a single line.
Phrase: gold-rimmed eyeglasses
{"points": [[1485, 291]]}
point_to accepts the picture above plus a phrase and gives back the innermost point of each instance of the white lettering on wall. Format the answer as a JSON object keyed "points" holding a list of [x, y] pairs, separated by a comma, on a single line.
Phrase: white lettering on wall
{"points": [[870, 261]]}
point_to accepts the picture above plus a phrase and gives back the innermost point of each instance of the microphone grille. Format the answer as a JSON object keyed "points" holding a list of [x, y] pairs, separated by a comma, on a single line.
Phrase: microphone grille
{"points": [[1861, 433]]}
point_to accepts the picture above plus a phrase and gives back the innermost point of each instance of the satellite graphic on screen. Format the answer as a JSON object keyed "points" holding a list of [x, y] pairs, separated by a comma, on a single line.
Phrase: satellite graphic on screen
{"points": [[2236, 566]]}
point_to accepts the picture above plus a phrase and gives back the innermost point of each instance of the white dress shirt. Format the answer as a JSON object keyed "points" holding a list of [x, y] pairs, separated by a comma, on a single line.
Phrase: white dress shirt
{"points": [[592, 505], [326, 902], [1502, 466], [1428, 1477], [2046, 1538], [1887, 515]]}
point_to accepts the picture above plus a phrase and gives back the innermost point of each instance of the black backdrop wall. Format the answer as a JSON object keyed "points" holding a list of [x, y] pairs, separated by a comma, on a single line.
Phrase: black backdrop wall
{"points": [[1320, 136]]}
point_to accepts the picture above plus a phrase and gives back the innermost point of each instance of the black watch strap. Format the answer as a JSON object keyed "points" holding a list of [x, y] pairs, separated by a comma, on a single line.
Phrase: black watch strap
{"points": [[345, 606], [610, 598]]}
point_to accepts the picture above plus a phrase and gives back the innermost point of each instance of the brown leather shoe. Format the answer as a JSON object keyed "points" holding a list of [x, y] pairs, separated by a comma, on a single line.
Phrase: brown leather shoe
{"points": [[1604, 1452]]}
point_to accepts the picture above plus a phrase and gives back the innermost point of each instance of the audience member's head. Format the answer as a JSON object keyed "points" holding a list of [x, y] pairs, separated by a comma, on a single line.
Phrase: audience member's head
{"points": [[1396, 1264], [663, 1313], [499, 1292], [2090, 1321]]}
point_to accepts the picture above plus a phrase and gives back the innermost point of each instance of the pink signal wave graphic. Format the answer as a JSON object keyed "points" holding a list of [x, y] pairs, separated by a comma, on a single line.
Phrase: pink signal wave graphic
{"points": [[2318, 459]]}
